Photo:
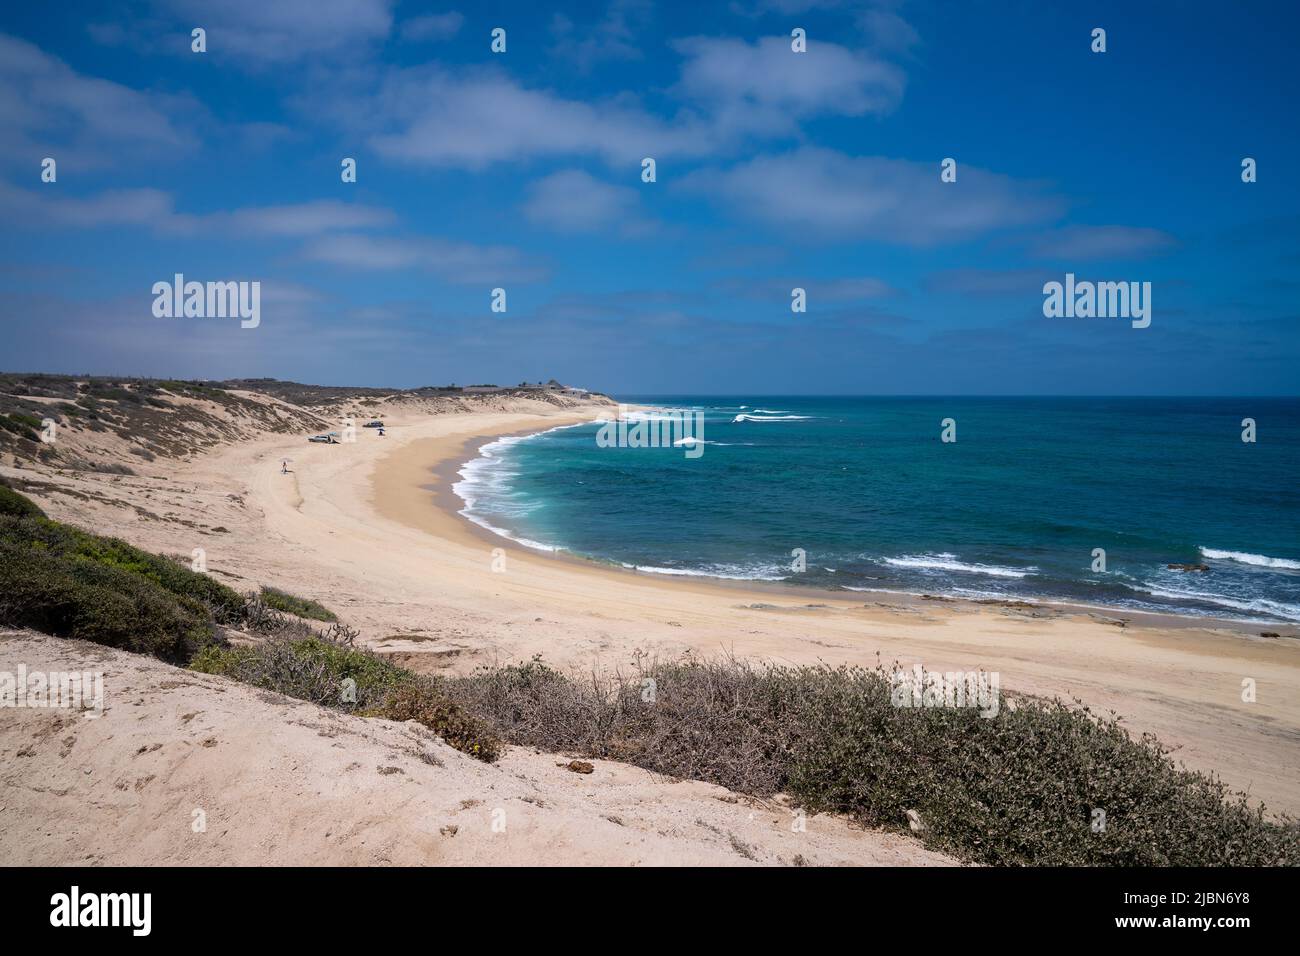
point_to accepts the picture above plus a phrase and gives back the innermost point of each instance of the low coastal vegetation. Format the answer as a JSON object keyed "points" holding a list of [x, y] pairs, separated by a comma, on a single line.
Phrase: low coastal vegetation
{"points": [[22, 425], [1040, 783], [16, 505], [301, 607], [157, 418], [1021, 788], [173, 419], [67, 582], [328, 671]]}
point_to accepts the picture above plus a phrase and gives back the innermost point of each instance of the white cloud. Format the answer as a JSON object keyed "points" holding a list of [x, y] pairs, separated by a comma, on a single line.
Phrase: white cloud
{"points": [[733, 91], [1101, 242], [887, 30], [265, 32], [614, 37], [825, 194], [155, 210], [452, 261], [434, 26], [310, 218], [439, 119], [574, 201], [49, 109], [730, 74], [149, 208]]}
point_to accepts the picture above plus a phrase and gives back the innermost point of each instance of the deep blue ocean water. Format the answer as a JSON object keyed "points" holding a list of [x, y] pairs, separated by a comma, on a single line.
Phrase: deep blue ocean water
{"points": [[866, 488]]}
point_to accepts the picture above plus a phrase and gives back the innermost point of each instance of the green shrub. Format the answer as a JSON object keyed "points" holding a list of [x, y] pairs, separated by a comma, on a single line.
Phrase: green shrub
{"points": [[1018, 788], [13, 503], [301, 607], [71, 597], [419, 699], [64, 581], [25, 420], [74, 544], [191, 387], [309, 668], [316, 668], [222, 660], [23, 426]]}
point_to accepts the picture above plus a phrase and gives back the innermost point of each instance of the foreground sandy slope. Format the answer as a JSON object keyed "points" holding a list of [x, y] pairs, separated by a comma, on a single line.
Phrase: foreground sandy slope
{"points": [[284, 782]]}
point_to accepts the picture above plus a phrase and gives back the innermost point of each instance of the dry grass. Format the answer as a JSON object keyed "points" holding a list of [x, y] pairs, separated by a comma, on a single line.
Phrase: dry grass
{"points": [[1020, 788]]}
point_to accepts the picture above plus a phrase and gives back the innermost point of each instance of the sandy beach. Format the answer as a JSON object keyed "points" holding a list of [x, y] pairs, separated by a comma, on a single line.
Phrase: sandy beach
{"points": [[372, 530], [391, 501]]}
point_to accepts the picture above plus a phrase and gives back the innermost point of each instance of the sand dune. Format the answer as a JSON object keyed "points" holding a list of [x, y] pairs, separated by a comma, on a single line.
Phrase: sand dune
{"points": [[274, 781]]}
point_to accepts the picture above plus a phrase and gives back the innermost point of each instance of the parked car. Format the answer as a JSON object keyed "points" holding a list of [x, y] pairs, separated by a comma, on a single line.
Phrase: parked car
{"points": [[324, 439], [375, 424]]}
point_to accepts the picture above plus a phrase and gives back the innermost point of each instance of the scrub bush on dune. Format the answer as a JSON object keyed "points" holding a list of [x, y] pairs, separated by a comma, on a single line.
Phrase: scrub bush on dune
{"points": [[333, 674], [17, 505], [420, 699], [307, 668], [72, 544], [1019, 788], [67, 582], [300, 607], [80, 599]]}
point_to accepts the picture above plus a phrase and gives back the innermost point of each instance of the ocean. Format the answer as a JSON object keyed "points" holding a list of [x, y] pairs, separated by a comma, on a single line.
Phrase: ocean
{"points": [[861, 494]]}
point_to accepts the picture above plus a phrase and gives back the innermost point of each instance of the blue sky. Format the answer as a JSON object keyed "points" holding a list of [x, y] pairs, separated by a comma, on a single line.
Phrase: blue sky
{"points": [[522, 170]]}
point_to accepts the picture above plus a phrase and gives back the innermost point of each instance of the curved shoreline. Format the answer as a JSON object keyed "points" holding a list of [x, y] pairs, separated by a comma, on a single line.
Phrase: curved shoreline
{"points": [[372, 530], [448, 471], [1176, 677]]}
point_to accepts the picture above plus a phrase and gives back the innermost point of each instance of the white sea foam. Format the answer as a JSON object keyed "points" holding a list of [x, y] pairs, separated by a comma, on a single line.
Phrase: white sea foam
{"points": [[1254, 615], [1245, 557], [486, 479], [731, 572], [1274, 609], [509, 535], [949, 562], [643, 415], [770, 418], [690, 440]]}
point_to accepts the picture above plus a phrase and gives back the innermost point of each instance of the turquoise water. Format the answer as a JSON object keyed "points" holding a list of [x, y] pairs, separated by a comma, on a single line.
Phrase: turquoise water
{"points": [[866, 488]]}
